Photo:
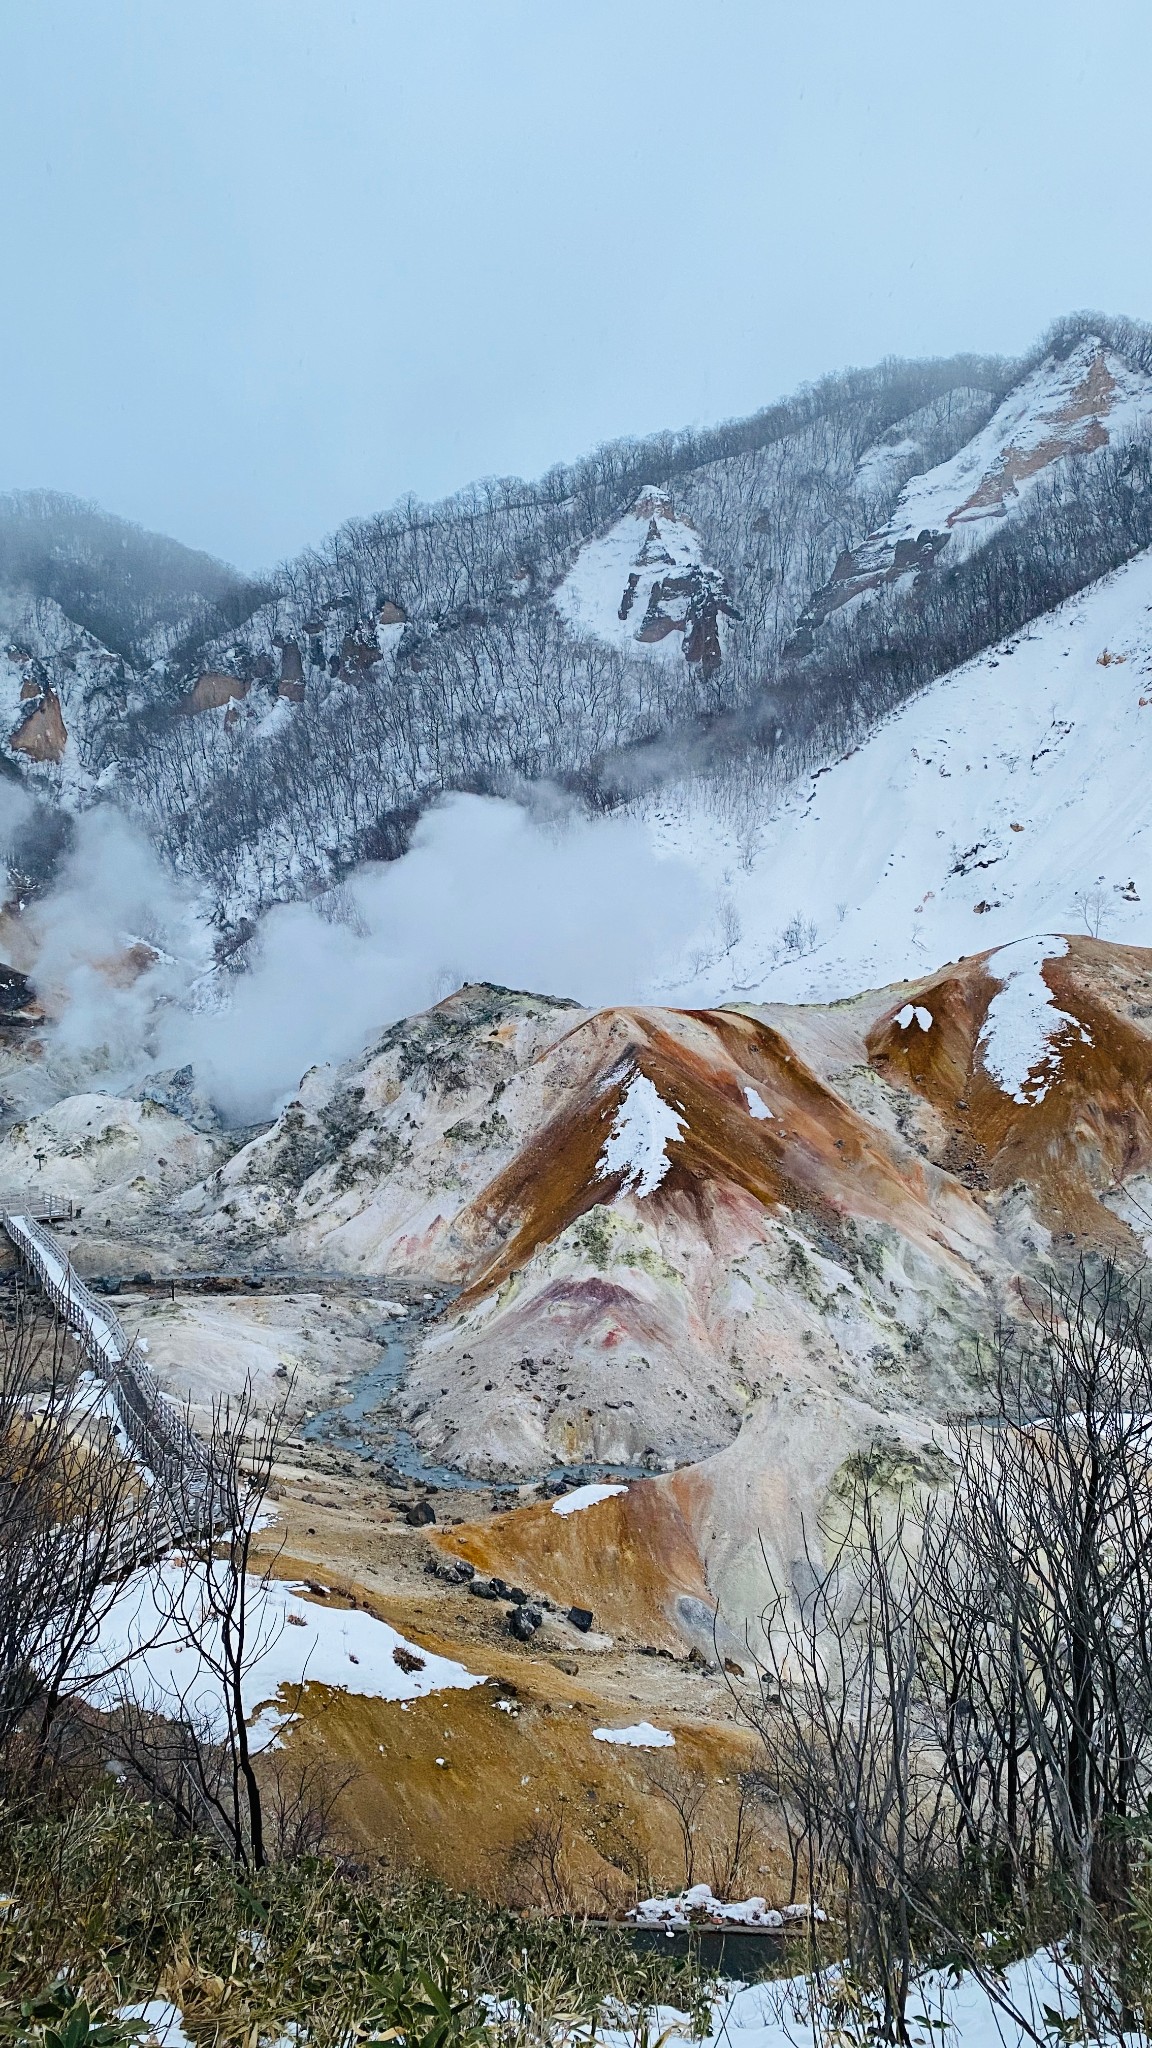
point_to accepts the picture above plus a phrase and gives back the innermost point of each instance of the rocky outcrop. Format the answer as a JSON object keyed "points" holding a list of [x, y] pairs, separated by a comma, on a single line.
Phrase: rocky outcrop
{"points": [[212, 691], [1067, 408], [42, 734]]}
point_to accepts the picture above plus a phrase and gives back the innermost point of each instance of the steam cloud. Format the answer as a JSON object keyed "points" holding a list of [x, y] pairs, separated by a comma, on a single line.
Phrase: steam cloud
{"points": [[561, 905]]}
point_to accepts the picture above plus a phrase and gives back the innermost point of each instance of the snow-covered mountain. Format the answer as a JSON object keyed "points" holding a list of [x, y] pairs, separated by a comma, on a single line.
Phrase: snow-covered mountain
{"points": [[1010, 797], [270, 736], [1066, 407], [589, 628]]}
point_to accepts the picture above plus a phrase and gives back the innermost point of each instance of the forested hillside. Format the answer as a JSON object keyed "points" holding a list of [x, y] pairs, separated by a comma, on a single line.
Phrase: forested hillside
{"points": [[776, 583]]}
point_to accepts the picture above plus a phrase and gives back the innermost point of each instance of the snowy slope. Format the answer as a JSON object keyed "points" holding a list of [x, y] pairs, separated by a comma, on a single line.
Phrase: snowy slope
{"points": [[60, 691], [644, 584], [1065, 409], [1011, 798]]}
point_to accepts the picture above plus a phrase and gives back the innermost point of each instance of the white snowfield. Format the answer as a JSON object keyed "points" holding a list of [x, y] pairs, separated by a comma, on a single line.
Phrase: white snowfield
{"points": [[584, 1497], [642, 1735], [295, 1642], [799, 2013], [643, 1128], [1010, 798]]}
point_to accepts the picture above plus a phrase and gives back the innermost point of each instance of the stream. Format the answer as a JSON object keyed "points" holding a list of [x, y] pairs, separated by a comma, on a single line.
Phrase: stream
{"points": [[362, 1423]]}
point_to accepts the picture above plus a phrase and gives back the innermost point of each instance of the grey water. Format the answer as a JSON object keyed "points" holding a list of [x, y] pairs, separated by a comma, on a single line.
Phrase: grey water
{"points": [[360, 1423]]}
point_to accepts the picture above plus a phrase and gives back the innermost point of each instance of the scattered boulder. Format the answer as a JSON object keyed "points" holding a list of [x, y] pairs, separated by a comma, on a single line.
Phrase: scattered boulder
{"points": [[523, 1622], [457, 1571], [420, 1514], [581, 1618]]}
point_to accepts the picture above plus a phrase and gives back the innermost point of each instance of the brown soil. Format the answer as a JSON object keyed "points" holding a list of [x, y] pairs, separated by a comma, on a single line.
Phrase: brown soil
{"points": [[509, 1777], [1094, 1124], [209, 692], [43, 734]]}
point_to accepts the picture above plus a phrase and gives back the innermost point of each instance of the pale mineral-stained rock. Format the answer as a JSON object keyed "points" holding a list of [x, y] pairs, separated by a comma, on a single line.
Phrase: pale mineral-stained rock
{"points": [[728, 1251]]}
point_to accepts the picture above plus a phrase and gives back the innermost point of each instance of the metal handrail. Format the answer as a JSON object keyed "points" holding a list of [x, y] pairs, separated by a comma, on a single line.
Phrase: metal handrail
{"points": [[48, 1208], [158, 1434]]}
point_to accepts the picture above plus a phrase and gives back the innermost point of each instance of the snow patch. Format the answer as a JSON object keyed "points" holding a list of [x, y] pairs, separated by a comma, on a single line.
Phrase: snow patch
{"points": [[1023, 1020], [699, 1903], [294, 1642], [946, 2007], [643, 1129], [162, 2022], [914, 1012], [642, 1736], [756, 1106], [584, 1497]]}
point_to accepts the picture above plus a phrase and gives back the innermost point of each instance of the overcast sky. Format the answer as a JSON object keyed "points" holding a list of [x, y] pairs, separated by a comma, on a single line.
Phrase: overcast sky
{"points": [[268, 263]]}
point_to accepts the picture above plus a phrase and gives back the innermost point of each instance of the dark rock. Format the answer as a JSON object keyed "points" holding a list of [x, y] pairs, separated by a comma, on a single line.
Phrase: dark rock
{"points": [[581, 1618], [518, 1596], [420, 1514], [523, 1622], [175, 1090], [483, 1589], [18, 1003]]}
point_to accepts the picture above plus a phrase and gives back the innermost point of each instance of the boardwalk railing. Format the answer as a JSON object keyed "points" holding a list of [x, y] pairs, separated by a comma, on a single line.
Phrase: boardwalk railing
{"points": [[46, 1208], [157, 1433]]}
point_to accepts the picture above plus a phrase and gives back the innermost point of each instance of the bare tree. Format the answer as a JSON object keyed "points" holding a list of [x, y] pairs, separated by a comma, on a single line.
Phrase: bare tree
{"points": [[1042, 1571], [71, 1510], [843, 1741], [192, 1749], [686, 1793], [958, 1716]]}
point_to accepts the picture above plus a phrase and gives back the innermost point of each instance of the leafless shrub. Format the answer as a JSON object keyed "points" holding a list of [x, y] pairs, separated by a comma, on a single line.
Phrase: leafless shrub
{"points": [[217, 1603], [539, 1861], [302, 1792], [69, 1506], [957, 1716], [686, 1792]]}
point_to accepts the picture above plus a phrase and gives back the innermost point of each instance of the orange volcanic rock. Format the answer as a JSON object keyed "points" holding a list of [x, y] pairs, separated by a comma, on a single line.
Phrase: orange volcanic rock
{"points": [[211, 691], [724, 1253], [42, 733], [632, 1559], [1088, 1126]]}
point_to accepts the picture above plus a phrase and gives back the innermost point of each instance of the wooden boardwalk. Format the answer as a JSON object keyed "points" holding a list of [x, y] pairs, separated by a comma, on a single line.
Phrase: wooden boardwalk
{"points": [[159, 1436]]}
